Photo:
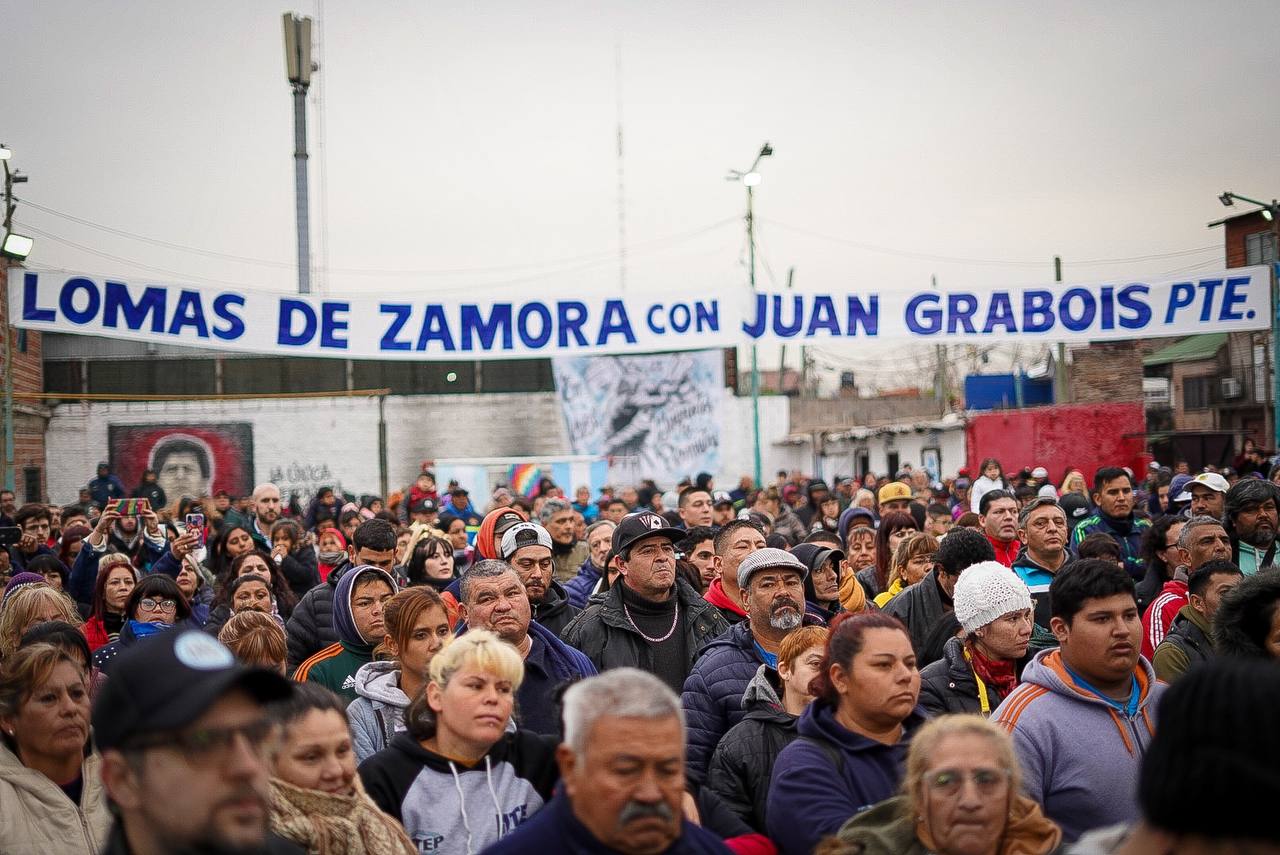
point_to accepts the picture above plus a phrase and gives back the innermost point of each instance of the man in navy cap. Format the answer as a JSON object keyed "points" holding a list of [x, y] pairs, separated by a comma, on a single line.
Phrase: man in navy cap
{"points": [[182, 731]]}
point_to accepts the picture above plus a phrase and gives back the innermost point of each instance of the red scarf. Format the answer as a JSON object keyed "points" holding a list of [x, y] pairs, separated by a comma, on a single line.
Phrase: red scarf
{"points": [[998, 674]]}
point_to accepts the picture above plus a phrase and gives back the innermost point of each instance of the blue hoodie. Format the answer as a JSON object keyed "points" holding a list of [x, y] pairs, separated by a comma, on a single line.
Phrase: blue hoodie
{"points": [[811, 795]]}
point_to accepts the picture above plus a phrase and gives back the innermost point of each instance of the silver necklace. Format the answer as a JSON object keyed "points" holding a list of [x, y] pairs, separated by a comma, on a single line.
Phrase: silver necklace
{"points": [[632, 621]]}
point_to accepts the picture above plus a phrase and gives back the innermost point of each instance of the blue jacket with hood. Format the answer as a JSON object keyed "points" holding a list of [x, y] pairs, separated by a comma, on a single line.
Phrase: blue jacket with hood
{"points": [[828, 774]]}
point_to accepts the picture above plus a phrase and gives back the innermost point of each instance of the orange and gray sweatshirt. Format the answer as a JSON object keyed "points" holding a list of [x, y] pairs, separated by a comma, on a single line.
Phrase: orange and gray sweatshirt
{"points": [[1079, 753]]}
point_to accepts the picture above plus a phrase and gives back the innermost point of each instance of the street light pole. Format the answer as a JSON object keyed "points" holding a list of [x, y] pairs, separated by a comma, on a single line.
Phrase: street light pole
{"points": [[750, 179], [297, 58], [1270, 213]]}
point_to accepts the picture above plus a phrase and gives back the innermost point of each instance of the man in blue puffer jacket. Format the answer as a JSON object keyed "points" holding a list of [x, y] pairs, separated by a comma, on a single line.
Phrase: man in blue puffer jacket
{"points": [[772, 585]]}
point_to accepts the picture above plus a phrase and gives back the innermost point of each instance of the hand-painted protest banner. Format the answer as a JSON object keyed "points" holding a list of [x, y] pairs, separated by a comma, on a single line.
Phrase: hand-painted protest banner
{"points": [[650, 416], [566, 324]]}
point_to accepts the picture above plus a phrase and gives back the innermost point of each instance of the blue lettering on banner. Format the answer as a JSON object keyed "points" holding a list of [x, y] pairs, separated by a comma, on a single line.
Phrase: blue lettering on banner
{"points": [[615, 322], [923, 315], [67, 300], [1231, 296], [1000, 313], [651, 323], [116, 301], [331, 325], [823, 317], [189, 313], [289, 309], [1180, 296], [867, 317], [1128, 298], [572, 316], [757, 327], [235, 324], [435, 327], [1088, 308], [544, 325], [1037, 311], [680, 317], [473, 323], [400, 313], [30, 311], [960, 310], [708, 316], [782, 329]]}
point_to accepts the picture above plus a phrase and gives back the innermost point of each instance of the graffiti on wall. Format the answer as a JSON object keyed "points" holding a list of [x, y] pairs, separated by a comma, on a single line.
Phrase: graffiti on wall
{"points": [[189, 460], [652, 416]]}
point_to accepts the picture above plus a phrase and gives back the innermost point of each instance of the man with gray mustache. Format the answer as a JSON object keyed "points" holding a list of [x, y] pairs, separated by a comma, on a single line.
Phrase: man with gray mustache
{"points": [[771, 587], [622, 768]]}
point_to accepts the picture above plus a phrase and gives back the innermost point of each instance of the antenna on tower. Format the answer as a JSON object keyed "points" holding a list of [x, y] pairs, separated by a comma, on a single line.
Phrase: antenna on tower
{"points": [[622, 196]]}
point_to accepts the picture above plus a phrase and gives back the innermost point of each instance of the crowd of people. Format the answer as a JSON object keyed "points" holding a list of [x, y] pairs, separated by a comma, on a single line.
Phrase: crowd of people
{"points": [[991, 664]]}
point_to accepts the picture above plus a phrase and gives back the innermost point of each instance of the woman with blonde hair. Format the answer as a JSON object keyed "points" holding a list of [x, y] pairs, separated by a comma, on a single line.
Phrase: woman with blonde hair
{"points": [[911, 561], [961, 795], [1073, 482], [256, 639], [28, 606], [458, 774], [317, 800]]}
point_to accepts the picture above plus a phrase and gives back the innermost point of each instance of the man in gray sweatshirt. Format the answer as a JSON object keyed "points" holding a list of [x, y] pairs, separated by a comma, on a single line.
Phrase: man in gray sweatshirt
{"points": [[1085, 713]]}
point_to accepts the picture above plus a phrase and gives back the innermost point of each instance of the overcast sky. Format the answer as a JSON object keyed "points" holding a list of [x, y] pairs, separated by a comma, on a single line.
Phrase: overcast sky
{"points": [[472, 145]]}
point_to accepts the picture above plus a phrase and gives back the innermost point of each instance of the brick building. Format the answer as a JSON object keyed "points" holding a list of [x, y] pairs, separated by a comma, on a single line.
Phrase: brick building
{"points": [[30, 417]]}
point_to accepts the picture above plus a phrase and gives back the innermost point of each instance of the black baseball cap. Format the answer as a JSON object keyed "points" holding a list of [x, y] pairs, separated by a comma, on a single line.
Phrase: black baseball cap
{"points": [[166, 682], [424, 506], [641, 525]]}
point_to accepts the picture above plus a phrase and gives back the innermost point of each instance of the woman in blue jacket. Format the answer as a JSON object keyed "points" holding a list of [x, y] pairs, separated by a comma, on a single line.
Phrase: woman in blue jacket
{"points": [[852, 740]]}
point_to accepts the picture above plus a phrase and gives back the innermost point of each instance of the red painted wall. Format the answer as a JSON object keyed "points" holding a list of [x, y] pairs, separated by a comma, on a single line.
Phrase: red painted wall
{"points": [[1072, 436]]}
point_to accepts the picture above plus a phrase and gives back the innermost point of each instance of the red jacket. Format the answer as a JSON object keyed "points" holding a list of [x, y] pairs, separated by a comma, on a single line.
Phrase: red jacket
{"points": [[95, 633], [718, 598], [1160, 614], [1005, 552]]}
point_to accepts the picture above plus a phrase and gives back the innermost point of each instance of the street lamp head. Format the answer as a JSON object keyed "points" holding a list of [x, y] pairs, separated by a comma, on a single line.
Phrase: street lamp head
{"points": [[5, 154], [1268, 213], [16, 246], [1227, 199], [751, 179]]}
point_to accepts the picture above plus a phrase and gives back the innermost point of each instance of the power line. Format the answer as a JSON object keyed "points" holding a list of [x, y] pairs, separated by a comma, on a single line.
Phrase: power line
{"points": [[653, 243], [924, 256]]}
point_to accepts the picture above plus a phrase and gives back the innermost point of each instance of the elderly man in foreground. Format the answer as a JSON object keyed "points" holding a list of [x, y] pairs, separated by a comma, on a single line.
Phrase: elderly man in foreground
{"points": [[622, 763]]}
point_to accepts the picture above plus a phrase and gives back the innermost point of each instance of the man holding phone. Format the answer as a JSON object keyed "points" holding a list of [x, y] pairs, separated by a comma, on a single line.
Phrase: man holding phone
{"points": [[35, 522]]}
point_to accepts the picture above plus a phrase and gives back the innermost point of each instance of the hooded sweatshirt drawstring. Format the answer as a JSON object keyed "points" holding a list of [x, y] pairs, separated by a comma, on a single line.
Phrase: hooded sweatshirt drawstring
{"points": [[488, 777], [462, 803]]}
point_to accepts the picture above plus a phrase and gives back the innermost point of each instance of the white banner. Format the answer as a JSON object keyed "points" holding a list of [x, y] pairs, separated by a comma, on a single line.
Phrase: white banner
{"points": [[562, 324], [651, 416]]}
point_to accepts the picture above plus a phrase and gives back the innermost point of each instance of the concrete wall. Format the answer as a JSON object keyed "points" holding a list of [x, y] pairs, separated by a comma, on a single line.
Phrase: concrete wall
{"points": [[303, 443]]}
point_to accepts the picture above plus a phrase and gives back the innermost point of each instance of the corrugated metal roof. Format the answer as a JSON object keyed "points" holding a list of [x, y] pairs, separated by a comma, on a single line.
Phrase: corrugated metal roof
{"points": [[1192, 349]]}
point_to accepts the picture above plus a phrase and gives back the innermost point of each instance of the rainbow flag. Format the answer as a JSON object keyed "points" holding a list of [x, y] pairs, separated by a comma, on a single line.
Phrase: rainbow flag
{"points": [[524, 478]]}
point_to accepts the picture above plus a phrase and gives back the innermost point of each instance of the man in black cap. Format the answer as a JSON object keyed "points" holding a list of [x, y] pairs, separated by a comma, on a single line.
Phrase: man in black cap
{"points": [[652, 620], [424, 511], [181, 720]]}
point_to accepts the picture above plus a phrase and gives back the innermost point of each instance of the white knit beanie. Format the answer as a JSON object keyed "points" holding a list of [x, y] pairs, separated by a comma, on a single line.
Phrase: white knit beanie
{"points": [[988, 591]]}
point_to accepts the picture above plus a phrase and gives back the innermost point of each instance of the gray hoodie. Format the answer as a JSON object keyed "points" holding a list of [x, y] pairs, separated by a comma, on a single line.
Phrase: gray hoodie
{"points": [[1079, 756], [378, 711]]}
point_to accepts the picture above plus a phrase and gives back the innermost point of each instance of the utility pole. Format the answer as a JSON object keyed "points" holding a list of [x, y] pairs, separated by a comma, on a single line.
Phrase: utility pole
{"points": [[297, 58], [750, 179], [940, 391], [11, 177], [622, 196], [1061, 385], [782, 359]]}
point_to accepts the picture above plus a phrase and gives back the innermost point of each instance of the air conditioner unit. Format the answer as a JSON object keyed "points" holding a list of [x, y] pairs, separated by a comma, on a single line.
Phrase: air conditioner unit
{"points": [[1231, 387]]}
